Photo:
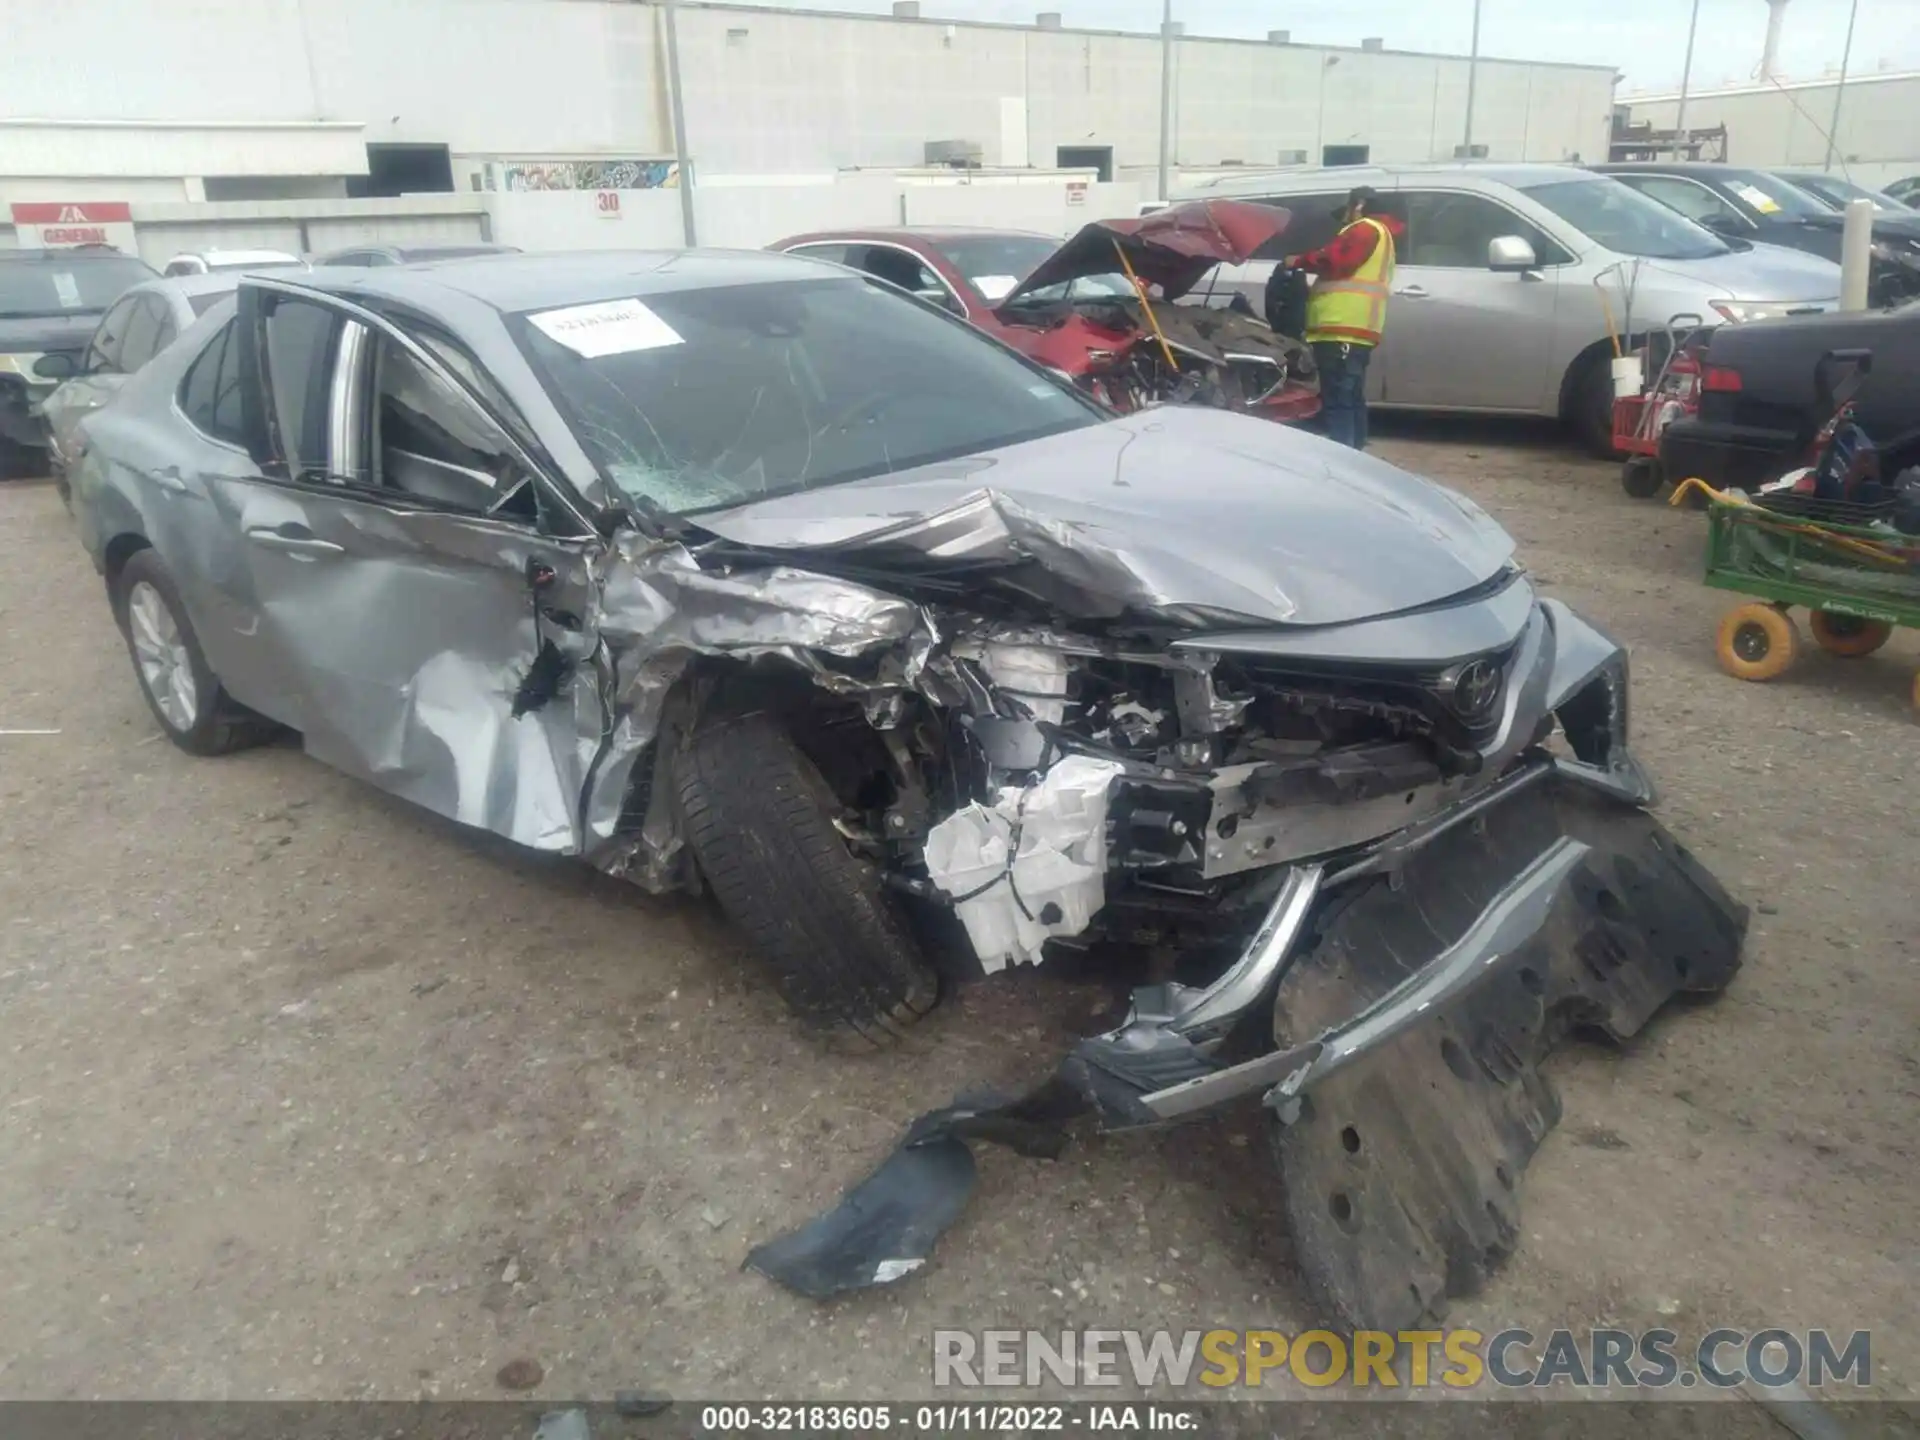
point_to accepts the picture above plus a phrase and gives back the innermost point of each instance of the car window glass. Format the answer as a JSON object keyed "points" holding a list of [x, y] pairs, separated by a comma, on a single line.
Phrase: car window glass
{"points": [[1452, 231], [431, 440], [168, 332], [1617, 216], [210, 395], [709, 397], [835, 252], [103, 351], [897, 267], [141, 341], [300, 349], [1694, 201]]}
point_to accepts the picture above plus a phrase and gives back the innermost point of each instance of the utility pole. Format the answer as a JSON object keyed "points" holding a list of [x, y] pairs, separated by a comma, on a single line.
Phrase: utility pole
{"points": [[1473, 76], [677, 103], [1686, 80], [1166, 98], [1840, 90]]}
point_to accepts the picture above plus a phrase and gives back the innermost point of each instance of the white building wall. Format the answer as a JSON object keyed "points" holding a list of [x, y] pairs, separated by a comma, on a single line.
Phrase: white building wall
{"points": [[768, 91], [1878, 139]]}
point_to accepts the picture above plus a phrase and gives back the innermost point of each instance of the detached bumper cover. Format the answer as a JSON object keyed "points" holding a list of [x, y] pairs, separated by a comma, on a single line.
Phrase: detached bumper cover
{"points": [[1405, 1088]]}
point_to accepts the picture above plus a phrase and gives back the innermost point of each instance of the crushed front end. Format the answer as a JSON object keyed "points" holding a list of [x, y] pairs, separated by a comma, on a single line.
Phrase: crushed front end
{"points": [[1380, 869]]}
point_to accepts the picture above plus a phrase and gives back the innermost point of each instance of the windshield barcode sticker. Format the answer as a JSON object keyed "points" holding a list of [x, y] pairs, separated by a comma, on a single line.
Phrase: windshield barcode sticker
{"points": [[610, 327], [67, 288]]}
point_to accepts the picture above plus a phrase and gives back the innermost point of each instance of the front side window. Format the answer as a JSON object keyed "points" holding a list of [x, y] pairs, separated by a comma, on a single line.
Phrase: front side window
{"points": [[430, 439], [703, 399], [1453, 231], [1622, 220]]}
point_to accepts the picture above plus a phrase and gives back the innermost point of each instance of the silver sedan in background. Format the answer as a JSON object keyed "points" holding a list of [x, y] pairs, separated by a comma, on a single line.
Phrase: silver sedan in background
{"points": [[138, 326]]}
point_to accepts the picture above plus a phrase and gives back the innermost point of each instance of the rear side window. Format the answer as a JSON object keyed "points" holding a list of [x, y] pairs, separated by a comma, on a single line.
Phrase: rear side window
{"points": [[103, 351], [142, 340], [210, 395]]}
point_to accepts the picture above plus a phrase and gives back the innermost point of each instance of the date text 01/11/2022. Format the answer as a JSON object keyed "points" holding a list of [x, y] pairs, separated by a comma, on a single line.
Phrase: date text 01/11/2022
{"points": [[944, 1419]]}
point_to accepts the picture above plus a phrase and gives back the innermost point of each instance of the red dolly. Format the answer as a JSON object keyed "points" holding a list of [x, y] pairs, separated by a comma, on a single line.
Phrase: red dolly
{"points": [[1674, 394]]}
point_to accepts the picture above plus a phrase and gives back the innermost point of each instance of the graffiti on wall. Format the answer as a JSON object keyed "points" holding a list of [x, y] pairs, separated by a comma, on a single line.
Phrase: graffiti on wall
{"points": [[582, 175]]}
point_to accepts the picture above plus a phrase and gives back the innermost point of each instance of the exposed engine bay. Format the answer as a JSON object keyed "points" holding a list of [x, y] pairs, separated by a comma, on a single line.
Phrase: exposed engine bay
{"points": [[1104, 327]]}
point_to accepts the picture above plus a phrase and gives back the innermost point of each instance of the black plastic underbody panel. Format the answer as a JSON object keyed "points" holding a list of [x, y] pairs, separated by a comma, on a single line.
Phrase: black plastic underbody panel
{"points": [[1402, 1169]]}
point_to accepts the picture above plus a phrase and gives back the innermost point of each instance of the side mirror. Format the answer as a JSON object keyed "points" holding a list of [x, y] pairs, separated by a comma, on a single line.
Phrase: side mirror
{"points": [[1723, 224], [1511, 252], [55, 365]]}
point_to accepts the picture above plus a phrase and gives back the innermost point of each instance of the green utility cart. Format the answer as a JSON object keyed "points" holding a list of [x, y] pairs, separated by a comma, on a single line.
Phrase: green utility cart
{"points": [[1856, 579]]}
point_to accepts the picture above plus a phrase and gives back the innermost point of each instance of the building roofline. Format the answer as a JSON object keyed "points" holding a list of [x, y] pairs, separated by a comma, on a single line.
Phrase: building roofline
{"points": [[816, 12], [1825, 82]]}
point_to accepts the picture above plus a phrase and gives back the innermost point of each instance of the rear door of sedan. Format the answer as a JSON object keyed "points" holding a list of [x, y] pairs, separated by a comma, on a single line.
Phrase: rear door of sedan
{"points": [[422, 584]]}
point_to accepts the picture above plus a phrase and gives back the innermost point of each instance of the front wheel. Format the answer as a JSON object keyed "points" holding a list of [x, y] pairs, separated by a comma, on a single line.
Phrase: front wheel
{"points": [[760, 820], [181, 691]]}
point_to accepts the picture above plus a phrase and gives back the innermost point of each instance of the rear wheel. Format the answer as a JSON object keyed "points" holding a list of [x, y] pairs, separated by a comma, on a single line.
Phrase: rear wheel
{"points": [[1848, 636], [760, 820], [1756, 642], [182, 692]]}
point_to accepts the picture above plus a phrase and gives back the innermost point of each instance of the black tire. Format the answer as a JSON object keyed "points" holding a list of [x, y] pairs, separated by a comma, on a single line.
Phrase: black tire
{"points": [[218, 724], [1592, 406], [759, 819], [1642, 477]]}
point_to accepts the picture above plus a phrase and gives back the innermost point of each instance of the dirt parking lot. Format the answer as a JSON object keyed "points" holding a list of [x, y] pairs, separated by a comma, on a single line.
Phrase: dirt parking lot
{"points": [[304, 1093]]}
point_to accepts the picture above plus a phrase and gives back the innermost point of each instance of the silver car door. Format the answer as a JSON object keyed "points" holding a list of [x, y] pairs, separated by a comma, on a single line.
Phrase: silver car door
{"points": [[1460, 335], [435, 631]]}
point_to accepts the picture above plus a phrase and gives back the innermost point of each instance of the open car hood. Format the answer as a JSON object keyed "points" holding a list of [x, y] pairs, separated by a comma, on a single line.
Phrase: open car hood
{"points": [[1171, 248]]}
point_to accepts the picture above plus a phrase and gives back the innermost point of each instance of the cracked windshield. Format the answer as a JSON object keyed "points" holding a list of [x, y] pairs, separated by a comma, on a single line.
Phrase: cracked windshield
{"points": [[703, 399]]}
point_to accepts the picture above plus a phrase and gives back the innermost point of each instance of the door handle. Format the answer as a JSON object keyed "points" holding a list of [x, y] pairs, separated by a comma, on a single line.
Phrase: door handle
{"points": [[294, 539], [1413, 292], [168, 477]]}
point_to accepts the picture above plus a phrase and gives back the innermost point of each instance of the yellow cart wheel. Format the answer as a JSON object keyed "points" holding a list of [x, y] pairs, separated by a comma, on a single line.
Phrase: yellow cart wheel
{"points": [[1756, 642], [1847, 635]]}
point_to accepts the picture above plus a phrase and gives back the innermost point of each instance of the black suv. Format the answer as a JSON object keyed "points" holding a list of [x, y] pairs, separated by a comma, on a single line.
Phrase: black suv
{"points": [[50, 301]]}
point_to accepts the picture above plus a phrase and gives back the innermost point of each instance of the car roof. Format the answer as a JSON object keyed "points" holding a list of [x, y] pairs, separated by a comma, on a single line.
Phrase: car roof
{"points": [[511, 282], [931, 234], [235, 257], [1346, 177], [1683, 167], [66, 254]]}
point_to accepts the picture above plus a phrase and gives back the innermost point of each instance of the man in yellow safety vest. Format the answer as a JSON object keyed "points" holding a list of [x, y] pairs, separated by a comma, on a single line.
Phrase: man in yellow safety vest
{"points": [[1347, 311]]}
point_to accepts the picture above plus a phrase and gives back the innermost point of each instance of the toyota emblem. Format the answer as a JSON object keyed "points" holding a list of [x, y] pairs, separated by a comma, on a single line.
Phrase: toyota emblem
{"points": [[1475, 689]]}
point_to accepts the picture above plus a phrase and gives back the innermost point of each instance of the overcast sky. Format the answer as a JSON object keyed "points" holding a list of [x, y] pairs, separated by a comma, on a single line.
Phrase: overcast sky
{"points": [[1645, 38]]}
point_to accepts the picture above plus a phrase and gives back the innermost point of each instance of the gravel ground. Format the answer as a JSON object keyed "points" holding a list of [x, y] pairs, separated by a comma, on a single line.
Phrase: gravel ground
{"points": [[304, 1093]]}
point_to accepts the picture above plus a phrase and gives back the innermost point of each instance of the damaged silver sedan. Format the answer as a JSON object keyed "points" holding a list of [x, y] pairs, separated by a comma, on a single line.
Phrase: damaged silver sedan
{"points": [[748, 573]]}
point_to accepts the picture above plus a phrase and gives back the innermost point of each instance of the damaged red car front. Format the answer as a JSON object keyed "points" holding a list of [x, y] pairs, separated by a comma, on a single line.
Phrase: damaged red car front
{"points": [[1100, 309], [1125, 342]]}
